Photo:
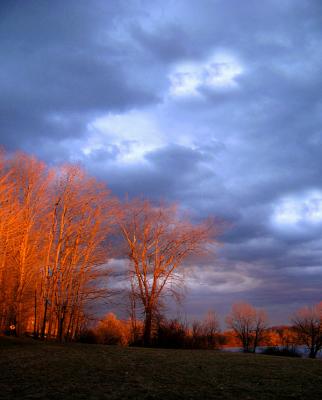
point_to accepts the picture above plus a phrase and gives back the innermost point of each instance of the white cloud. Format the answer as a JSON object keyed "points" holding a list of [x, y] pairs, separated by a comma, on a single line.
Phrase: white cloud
{"points": [[217, 73], [304, 208], [210, 279], [134, 133]]}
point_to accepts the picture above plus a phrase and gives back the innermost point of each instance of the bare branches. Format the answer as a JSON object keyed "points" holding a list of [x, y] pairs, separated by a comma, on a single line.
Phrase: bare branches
{"points": [[249, 325], [308, 325], [53, 229], [158, 243]]}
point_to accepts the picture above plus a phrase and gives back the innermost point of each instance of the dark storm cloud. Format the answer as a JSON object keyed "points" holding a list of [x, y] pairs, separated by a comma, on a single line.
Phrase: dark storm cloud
{"points": [[237, 146], [61, 66], [168, 44], [172, 172]]}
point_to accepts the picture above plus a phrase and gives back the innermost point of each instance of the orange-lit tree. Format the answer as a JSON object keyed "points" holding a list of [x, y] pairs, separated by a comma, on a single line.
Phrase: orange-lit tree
{"points": [[307, 323], [158, 242], [30, 179], [8, 219], [80, 220], [249, 325], [211, 328], [20, 237]]}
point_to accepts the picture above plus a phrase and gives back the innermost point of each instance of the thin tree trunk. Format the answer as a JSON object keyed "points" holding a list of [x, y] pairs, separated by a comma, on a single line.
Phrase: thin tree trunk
{"points": [[43, 328], [147, 328], [35, 316]]}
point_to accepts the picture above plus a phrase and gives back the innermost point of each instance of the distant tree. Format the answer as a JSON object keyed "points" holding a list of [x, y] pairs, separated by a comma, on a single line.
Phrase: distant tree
{"points": [[283, 336], [249, 325], [308, 325], [158, 242], [197, 336], [205, 333], [211, 329]]}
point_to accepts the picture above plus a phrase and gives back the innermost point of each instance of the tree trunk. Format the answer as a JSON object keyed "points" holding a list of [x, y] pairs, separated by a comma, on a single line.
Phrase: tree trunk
{"points": [[255, 342], [43, 328], [312, 352], [61, 328], [35, 316], [147, 328]]}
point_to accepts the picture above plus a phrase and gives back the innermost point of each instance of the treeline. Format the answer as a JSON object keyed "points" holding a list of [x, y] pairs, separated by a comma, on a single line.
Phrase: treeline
{"points": [[251, 329], [57, 228], [173, 333], [246, 328]]}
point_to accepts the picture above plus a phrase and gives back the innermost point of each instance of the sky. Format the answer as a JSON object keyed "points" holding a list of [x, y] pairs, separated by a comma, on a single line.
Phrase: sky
{"points": [[214, 104]]}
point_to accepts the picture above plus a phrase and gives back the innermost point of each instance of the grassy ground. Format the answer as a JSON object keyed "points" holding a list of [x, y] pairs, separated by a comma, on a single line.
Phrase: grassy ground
{"points": [[32, 370]]}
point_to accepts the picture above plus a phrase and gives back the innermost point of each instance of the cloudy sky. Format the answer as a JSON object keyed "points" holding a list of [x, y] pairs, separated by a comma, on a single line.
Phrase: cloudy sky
{"points": [[216, 104]]}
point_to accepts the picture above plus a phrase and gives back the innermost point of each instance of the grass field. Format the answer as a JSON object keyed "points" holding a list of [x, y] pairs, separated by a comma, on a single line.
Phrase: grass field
{"points": [[32, 370]]}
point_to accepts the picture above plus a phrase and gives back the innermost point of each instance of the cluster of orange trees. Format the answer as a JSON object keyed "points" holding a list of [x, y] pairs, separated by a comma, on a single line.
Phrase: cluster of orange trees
{"points": [[56, 229], [53, 224]]}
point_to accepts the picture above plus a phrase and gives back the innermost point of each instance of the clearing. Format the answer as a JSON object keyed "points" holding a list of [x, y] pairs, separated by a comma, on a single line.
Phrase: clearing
{"points": [[35, 370]]}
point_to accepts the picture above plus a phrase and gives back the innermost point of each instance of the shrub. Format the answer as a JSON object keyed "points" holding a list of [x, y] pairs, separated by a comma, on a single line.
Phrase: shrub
{"points": [[171, 334], [284, 351], [113, 331], [88, 336]]}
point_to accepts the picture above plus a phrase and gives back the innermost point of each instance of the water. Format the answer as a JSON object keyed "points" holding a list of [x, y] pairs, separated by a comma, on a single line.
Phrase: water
{"points": [[303, 350]]}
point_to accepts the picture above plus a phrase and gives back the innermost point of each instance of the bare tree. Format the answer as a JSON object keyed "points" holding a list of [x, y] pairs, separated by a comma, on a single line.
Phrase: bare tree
{"points": [[8, 229], [30, 178], [23, 187], [211, 328], [158, 242], [249, 325], [308, 326]]}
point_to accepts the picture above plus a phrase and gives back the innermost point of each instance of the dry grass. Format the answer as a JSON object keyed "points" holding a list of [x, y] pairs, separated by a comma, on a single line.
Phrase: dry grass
{"points": [[31, 370]]}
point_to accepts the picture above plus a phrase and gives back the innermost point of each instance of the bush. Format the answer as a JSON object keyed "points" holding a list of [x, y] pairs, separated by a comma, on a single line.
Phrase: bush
{"points": [[88, 336], [283, 352], [113, 331], [176, 334], [171, 334]]}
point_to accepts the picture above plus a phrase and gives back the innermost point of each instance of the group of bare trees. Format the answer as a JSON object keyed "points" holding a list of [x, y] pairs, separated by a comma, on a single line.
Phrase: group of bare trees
{"points": [[248, 329], [250, 326], [168, 333], [55, 226]]}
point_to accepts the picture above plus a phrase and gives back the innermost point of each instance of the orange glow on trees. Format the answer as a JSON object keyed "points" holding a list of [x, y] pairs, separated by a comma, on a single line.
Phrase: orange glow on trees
{"points": [[308, 326], [249, 325], [23, 186], [53, 229], [55, 226]]}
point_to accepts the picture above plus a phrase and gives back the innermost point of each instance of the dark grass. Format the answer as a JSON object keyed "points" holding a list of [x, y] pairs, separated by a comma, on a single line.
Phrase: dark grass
{"points": [[34, 370]]}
